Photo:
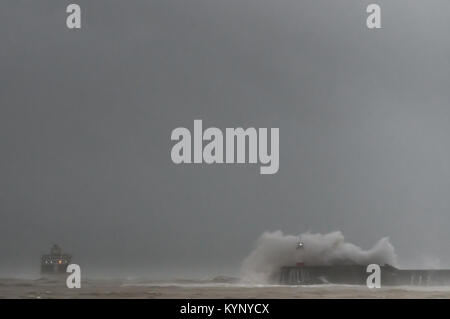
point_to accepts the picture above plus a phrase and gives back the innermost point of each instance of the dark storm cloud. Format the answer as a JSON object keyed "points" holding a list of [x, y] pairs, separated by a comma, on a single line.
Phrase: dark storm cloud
{"points": [[86, 116]]}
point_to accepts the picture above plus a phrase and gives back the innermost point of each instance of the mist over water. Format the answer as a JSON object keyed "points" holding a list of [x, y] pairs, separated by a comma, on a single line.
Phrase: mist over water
{"points": [[275, 249]]}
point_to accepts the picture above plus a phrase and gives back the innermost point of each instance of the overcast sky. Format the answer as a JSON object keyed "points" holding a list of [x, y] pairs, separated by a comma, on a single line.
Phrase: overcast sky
{"points": [[86, 117]]}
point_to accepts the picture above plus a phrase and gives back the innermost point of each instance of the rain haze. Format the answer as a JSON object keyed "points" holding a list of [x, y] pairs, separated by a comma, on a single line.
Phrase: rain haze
{"points": [[86, 118]]}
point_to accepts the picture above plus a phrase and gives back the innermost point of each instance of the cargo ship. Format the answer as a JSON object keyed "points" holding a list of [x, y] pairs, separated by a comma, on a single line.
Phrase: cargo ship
{"points": [[56, 262]]}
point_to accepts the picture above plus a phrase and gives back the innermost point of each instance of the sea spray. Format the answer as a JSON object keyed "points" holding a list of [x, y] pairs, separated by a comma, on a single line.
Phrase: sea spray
{"points": [[274, 250]]}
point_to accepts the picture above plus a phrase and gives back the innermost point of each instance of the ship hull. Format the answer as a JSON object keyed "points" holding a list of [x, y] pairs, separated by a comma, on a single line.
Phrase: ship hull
{"points": [[54, 269]]}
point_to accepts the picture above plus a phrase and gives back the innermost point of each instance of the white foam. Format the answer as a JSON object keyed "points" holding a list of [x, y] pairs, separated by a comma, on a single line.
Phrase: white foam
{"points": [[274, 250]]}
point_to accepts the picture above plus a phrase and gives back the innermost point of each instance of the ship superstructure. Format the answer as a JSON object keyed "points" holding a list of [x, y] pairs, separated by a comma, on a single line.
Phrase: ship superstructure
{"points": [[56, 262]]}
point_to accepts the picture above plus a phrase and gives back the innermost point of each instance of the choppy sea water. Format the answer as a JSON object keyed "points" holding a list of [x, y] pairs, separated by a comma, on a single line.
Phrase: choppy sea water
{"points": [[184, 288]]}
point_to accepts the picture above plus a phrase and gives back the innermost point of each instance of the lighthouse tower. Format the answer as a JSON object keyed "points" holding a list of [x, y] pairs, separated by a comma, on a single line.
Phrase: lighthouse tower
{"points": [[300, 247]]}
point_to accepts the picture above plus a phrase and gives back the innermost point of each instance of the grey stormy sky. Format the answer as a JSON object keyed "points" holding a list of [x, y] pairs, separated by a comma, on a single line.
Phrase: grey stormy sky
{"points": [[86, 117]]}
